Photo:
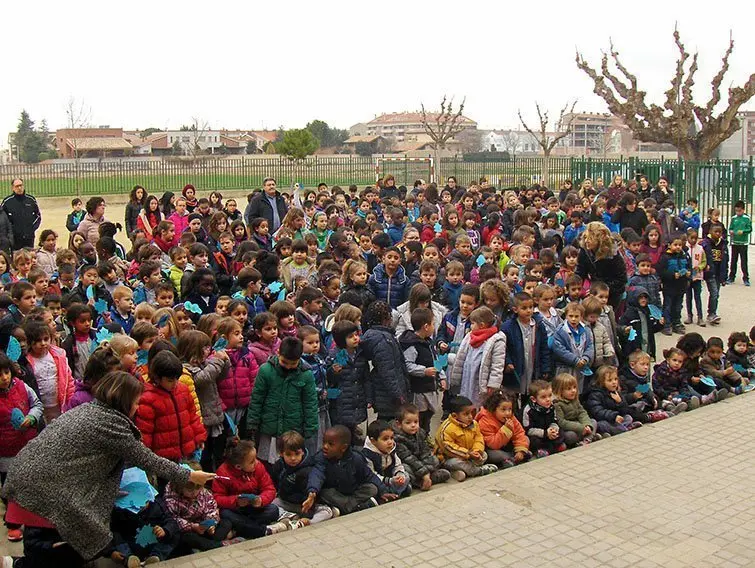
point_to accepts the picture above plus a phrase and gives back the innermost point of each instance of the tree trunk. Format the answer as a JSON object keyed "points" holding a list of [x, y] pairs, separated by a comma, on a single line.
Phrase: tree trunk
{"points": [[436, 167], [546, 167]]}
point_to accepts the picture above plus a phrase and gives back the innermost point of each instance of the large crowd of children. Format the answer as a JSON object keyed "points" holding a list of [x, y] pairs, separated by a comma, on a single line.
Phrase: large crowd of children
{"points": [[264, 341]]}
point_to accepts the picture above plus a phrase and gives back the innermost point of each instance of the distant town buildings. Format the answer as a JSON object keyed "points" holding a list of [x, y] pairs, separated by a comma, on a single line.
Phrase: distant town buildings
{"points": [[740, 146]]}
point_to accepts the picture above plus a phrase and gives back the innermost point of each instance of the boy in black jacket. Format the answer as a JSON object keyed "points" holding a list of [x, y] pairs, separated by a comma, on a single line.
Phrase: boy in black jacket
{"points": [[341, 477], [539, 421], [637, 317], [380, 451], [290, 474], [415, 452]]}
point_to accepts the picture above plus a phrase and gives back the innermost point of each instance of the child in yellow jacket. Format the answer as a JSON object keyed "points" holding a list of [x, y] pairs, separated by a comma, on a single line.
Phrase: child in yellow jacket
{"points": [[459, 444]]}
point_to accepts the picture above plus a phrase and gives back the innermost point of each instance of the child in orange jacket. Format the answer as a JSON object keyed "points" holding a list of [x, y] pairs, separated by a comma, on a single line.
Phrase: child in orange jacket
{"points": [[505, 441]]}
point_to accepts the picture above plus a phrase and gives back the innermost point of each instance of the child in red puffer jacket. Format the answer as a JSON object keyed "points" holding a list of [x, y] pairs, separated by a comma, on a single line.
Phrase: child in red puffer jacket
{"points": [[235, 388], [167, 417]]}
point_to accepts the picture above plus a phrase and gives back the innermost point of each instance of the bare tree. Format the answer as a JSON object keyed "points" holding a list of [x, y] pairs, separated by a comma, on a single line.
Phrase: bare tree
{"points": [[547, 139], [511, 142], [78, 115], [197, 131], [443, 126], [693, 129]]}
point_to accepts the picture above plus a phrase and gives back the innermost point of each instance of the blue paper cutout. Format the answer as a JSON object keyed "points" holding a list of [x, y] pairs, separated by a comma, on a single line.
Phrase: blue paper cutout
{"points": [[145, 536], [142, 356], [138, 490], [481, 260], [587, 371], [438, 227], [193, 308], [632, 334], [440, 362], [282, 295], [342, 358], [209, 523], [13, 351], [275, 287], [232, 425], [90, 292], [454, 344], [103, 335], [100, 306], [196, 456], [708, 381], [250, 496], [334, 393], [655, 312], [163, 320], [17, 418], [643, 388], [220, 344]]}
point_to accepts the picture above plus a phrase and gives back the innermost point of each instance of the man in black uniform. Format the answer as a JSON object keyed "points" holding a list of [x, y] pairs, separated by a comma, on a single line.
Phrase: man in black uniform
{"points": [[24, 215]]}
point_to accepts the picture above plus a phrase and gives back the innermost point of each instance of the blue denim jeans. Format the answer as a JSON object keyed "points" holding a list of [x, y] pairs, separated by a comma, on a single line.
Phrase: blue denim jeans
{"points": [[695, 291], [713, 290], [672, 308]]}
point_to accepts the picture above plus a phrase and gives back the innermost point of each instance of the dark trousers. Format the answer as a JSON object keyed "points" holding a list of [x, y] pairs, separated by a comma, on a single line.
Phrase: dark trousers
{"points": [[425, 417], [348, 503], [212, 455], [250, 522], [672, 307], [695, 291], [39, 551], [737, 252], [191, 541]]}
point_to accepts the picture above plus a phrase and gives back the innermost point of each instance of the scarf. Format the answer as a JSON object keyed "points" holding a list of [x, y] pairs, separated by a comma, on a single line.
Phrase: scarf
{"points": [[480, 336]]}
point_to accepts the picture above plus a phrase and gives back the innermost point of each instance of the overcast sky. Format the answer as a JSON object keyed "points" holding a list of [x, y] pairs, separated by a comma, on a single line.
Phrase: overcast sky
{"points": [[265, 64]]}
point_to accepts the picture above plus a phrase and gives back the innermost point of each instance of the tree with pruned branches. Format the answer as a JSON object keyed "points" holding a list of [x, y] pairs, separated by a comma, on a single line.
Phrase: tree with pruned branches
{"points": [[695, 130], [443, 126], [548, 138]]}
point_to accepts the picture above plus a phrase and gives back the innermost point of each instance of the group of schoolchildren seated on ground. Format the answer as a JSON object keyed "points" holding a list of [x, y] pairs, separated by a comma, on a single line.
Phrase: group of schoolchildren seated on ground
{"points": [[261, 353]]}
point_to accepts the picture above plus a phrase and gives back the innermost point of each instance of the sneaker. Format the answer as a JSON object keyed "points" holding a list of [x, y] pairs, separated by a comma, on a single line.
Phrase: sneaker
{"points": [[232, 541], [369, 504], [488, 468], [542, 454], [747, 283], [133, 562], [721, 394], [560, 448], [596, 437], [701, 321], [688, 320], [440, 476], [604, 435], [300, 524], [336, 511], [657, 415], [748, 388], [152, 560], [280, 526], [708, 398], [731, 279], [667, 405], [666, 331], [15, 535], [679, 408], [715, 319], [680, 329], [634, 425], [458, 475], [507, 463], [694, 403], [8, 561]]}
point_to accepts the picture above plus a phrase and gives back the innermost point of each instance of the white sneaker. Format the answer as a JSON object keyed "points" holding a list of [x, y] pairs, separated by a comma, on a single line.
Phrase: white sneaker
{"points": [[280, 526], [458, 475]]}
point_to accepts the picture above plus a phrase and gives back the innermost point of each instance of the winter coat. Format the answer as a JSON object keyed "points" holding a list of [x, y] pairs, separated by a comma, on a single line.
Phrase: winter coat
{"points": [[492, 364], [259, 206], [348, 390], [148, 223], [188, 381], [454, 440], [22, 212], [571, 416], [628, 384], [402, 317], [82, 394], [637, 318], [90, 228], [415, 452], [603, 408], [263, 351], [671, 225], [235, 388], [131, 216], [17, 395], [126, 524], [741, 223], [169, 422], [716, 370], [672, 264], [46, 261], [636, 219], [387, 382], [668, 383], [283, 400], [537, 419], [206, 379], [180, 222], [543, 365], [386, 466], [64, 377], [740, 362], [237, 482], [70, 347], [366, 295], [601, 341], [344, 475], [611, 270], [423, 358], [71, 472], [285, 271], [467, 261], [651, 283], [291, 482], [567, 353], [717, 259], [498, 436], [79, 294], [187, 512], [391, 289]]}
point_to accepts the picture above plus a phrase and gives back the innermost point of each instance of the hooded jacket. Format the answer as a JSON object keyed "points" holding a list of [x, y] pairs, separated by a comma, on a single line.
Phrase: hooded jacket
{"points": [[668, 383], [425, 357], [416, 453], [283, 400], [387, 381], [567, 352], [235, 388], [291, 482], [612, 270], [603, 408], [492, 364], [571, 416], [344, 475], [391, 289], [669, 266], [640, 320], [543, 364], [348, 390], [717, 259], [386, 466], [499, 436], [206, 379], [455, 440], [233, 482]]}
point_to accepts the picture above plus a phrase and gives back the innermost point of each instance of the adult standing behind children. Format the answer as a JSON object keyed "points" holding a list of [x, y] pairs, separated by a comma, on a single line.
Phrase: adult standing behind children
{"points": [[62, 486], [24, 215], [90, 226], [269, 205], [599, 260]]}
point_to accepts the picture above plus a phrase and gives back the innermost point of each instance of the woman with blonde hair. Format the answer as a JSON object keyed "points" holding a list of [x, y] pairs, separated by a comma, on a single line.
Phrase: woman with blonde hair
{"points": [[599, 259]]}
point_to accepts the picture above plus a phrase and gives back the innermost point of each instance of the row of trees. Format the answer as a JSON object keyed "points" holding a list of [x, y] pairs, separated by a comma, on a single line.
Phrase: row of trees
{"points": [[32, 142]]}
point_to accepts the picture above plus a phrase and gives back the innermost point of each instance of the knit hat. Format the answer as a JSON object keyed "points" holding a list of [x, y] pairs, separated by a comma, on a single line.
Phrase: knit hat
{"points": [[195, 216]]}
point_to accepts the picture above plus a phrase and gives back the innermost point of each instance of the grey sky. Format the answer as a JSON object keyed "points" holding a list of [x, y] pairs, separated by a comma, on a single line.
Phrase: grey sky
{"points": [[265, 64]]}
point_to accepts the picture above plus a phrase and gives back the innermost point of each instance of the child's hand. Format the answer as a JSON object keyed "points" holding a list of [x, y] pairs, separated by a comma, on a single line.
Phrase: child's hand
{"points": [[426, 482], [443, 385], [117, 557], [388, 497], [519, 457], [616, 397], [159, 532], [442, 346], [27, 423], [475, 454], [242, 502], [336, 368], [399, 480], [637, 395], [728, 371], [509, 368], [677, 275], [211, 530], [587, 431], [257, 502], [695, 379], [308, 502], [430, 371], [619, 420], [581, 363], [199, 529], [107, 318]]}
